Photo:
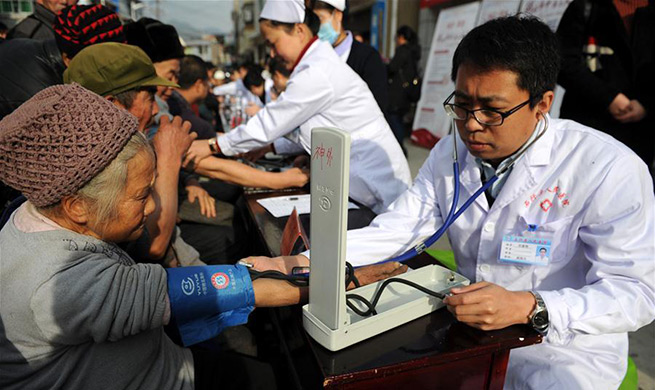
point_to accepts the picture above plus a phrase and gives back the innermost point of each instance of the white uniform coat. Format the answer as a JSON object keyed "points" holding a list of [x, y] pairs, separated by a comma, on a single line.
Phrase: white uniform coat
{"points": [[323, 91], [594, 197]]}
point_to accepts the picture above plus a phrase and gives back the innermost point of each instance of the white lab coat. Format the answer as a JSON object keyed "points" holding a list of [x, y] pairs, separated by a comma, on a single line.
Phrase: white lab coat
{"points": [[594, 197], [324, 92]]}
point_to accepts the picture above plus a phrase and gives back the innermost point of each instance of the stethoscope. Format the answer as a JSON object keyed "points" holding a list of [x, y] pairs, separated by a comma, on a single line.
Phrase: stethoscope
{"points": [[452, 215]]}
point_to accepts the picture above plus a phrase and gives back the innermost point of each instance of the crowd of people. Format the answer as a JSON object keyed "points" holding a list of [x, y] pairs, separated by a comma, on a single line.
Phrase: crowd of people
{"points": [[123, 162]]}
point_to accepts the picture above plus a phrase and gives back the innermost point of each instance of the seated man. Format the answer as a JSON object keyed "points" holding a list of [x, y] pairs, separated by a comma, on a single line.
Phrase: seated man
{"points": [[574, 187], [129, 81], [193, 89]]}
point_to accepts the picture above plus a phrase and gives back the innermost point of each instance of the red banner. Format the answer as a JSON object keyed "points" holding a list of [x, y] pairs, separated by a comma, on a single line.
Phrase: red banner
{"points": [[432, 3]]}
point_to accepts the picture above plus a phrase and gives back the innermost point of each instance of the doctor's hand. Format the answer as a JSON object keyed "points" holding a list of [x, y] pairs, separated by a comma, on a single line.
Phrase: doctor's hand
{"points": [[198, 150], [488, 306]]}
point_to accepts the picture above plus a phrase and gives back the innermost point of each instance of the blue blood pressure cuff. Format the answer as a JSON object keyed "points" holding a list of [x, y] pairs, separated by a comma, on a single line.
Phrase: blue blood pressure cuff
{"points": [[205, 300]]}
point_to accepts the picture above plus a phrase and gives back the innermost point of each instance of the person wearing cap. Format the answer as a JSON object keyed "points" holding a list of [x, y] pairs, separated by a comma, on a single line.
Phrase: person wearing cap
{"points": [[162, 44], [363, 59], [44, 61], [77, 312], [322, 92], [124, 75], [30, 65], [194, 86]]}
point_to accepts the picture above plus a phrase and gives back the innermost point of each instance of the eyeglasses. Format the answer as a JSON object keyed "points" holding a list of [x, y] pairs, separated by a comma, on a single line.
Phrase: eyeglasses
{"points": [[484, 116]]}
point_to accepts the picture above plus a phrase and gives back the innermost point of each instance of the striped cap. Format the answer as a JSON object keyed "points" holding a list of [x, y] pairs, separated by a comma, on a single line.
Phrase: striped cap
{"points": [[79, 26]]}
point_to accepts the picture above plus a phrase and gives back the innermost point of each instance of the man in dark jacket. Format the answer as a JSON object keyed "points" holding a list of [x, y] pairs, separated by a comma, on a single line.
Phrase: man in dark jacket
{"points": [[608, 51], [402, 69], [29, 66], [39, 25]]}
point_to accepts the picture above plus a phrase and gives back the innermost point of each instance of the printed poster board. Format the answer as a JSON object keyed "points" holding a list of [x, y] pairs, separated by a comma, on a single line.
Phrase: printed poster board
{"points": [[452, 24]]}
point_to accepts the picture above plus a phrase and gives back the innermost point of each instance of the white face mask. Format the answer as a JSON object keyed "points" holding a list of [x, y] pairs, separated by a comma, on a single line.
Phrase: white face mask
{"points": [[327, 33]]}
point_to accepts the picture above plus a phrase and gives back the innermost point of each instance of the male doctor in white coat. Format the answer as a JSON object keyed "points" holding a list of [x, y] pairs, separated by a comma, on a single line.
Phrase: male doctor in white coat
{"points": [[574, 188]]}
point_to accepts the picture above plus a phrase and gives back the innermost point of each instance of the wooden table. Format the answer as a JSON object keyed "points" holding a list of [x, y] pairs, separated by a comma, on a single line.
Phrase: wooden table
{"points": [[431, 352]]}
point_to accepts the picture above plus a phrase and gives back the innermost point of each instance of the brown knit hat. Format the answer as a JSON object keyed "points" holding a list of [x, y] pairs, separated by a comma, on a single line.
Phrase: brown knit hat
{"points": [[59, 140]]}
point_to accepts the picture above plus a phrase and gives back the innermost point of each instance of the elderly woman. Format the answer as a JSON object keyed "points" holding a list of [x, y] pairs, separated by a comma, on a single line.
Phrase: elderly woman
{"points": [[76, 311]]}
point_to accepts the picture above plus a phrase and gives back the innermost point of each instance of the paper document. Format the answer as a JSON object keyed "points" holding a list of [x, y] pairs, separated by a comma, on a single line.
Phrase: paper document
{"points": [[282, 206]]}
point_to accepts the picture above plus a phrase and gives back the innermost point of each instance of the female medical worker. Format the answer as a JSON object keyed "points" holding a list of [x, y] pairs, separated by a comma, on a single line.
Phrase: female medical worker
{"points": [[363, 59], [322, 92]]}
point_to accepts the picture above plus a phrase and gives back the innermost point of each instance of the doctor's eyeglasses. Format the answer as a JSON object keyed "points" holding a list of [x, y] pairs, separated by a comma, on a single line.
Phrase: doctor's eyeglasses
{"points": [[484, 116]]}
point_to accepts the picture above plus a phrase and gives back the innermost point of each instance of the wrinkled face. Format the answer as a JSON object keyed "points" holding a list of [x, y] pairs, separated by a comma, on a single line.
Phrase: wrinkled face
{"points": [[286, 45], [55, 5], [496, 89], [134, 205], [144, 108], [170, 70]]}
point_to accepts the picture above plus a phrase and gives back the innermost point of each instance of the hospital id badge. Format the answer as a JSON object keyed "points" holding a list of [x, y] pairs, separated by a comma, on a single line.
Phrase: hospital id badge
{"points": [[529, 250]]}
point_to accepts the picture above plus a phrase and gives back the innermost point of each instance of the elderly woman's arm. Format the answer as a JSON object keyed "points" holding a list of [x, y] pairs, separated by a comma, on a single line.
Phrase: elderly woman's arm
{"points": [[241, 174], [170, 144]]}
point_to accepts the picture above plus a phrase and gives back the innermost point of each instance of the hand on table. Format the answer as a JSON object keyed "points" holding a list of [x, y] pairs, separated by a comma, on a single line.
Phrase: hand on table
{"points": [[488, 306], [296, 177]]}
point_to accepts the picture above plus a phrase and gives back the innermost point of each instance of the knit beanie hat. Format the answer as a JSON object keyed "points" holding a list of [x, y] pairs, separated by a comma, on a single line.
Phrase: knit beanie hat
{"points": [[60, 139], [160, 41], [79, 26]]}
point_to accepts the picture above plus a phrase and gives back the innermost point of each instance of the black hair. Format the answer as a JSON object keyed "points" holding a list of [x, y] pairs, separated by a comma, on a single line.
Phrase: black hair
{"points": [[311, 21], [408, 33], [276, 64], [254, 77], [318, 4], [243, 65], [521, 44], [3, 27], [543, 249], [192, 69]]}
